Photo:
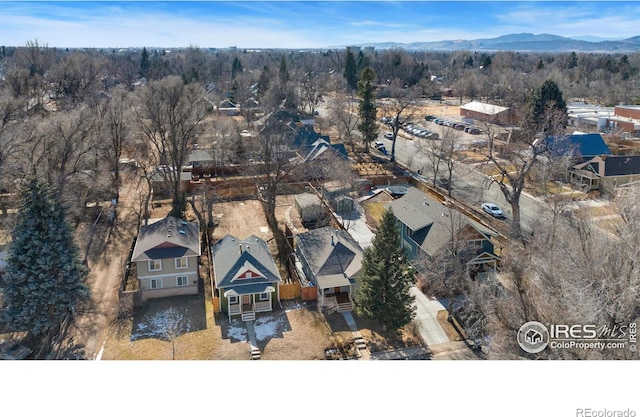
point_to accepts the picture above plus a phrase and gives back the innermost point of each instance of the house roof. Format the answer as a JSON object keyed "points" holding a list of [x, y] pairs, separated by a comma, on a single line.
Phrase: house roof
{"points": [[586, 145], [332, 254], [615, 165], [321, 146], [200, 155], [609, 166], [233, 258], [305, 200], [167, 238], [431, 221], [484, 108]]}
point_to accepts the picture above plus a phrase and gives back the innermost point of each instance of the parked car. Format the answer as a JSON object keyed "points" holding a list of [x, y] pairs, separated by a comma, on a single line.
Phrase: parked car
{"points": [[378, 144], [459, 126], [388, 135], [474, 131], [12, 350], [493, 210], [429, 118]]}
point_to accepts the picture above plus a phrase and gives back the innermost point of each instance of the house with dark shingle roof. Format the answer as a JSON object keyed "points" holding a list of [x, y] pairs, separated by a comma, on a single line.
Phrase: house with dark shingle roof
{"points": [[332, 260], [166, 256], [246, 277], [606, 172], [428, 227]]}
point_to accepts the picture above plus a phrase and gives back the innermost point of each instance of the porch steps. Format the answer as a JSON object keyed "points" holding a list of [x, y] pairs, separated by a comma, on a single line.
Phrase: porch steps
{"points": [[255, 353], [248, 316], [345, 307], [360, 344]]}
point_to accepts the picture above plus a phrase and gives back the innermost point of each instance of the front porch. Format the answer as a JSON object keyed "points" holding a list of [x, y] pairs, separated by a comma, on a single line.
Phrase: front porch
{"points": [[247, 305], [330, 300]]}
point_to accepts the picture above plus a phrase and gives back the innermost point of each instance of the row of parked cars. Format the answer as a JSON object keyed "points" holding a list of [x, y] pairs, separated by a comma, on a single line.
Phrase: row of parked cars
{"points": [[410, 128], [454, 125], [416, 130]]}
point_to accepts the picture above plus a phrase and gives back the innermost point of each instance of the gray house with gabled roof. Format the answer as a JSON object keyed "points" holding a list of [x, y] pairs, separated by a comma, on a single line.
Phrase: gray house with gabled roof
{"points": [[246, 277], [428, 227], [166, 256], [332, 260], [607, 172]]}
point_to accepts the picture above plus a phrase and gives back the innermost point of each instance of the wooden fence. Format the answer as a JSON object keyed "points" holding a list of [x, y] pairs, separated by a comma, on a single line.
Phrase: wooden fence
{"points": [[290, 291]]}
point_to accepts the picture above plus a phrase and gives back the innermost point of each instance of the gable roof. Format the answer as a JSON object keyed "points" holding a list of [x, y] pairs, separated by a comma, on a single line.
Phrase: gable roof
{"points": [[430, 220], [321, 146], [586, 145], [233, 257], [167, 238], [332, 254]]}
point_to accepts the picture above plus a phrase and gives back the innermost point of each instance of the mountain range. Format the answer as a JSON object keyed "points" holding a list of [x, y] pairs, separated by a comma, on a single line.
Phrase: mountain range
{"points": [[519, 42]]}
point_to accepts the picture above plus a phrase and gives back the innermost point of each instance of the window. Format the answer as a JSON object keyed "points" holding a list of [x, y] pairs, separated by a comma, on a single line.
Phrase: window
{"points": [[156, 283], [181, 263], [182, 281], [233, 300], [264, 296], [155, 265]]}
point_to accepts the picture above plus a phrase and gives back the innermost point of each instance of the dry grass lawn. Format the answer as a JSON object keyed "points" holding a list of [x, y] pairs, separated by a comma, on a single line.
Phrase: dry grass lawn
{"points": [[449, 330]]}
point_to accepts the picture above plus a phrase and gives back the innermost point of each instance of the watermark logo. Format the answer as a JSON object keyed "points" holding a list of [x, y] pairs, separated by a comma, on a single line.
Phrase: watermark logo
{"points": [[533, 337]]}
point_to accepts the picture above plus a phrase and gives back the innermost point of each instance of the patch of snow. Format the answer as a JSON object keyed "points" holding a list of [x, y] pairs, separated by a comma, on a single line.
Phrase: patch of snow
{"points": [[237, 331], [267, 327], [160, 323]]}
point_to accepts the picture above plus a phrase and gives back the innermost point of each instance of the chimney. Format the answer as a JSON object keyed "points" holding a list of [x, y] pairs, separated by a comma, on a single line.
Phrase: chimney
{"points": [[333, 243], [241, 248]]}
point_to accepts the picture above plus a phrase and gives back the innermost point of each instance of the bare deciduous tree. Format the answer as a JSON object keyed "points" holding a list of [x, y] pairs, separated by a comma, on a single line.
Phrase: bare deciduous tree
{"points": [[172, 113]]}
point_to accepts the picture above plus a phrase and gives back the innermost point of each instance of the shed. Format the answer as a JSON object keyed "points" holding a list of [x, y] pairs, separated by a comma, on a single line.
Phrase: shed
{"points": [[309, 207], [343, 204]]}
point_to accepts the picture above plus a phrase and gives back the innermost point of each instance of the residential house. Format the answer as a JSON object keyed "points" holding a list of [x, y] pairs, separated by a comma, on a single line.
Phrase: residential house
{"points": [[166, 256], [228, 108], [322, 160], [579, 146], [427, 227], [332, 260], [247, 280], [606, 172]]}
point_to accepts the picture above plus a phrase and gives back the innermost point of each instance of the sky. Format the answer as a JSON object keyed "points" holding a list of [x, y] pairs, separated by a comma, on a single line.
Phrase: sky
{"points": [[306, 24]]}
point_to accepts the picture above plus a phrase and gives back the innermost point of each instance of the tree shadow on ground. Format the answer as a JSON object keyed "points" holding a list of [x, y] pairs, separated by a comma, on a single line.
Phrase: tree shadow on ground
{"points": [[162, 317]]}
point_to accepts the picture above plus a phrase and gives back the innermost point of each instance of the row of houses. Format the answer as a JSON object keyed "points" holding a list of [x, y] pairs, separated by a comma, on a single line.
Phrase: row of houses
{"points": [[245, 276]]}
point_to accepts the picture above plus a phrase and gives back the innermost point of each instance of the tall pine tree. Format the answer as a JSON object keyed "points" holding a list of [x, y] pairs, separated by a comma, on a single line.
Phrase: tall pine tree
{"points": [[350, 70], [45, 277], [387, 277], [367, 111]]}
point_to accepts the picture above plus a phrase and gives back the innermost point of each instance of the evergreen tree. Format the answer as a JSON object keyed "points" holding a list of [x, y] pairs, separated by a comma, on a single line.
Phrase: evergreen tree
{"points": [[350, 70], [283, 72], [384, 291], [547, 108], [367, 107], [144, 63], [236, 67], [263, 81], [45, 277]]}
